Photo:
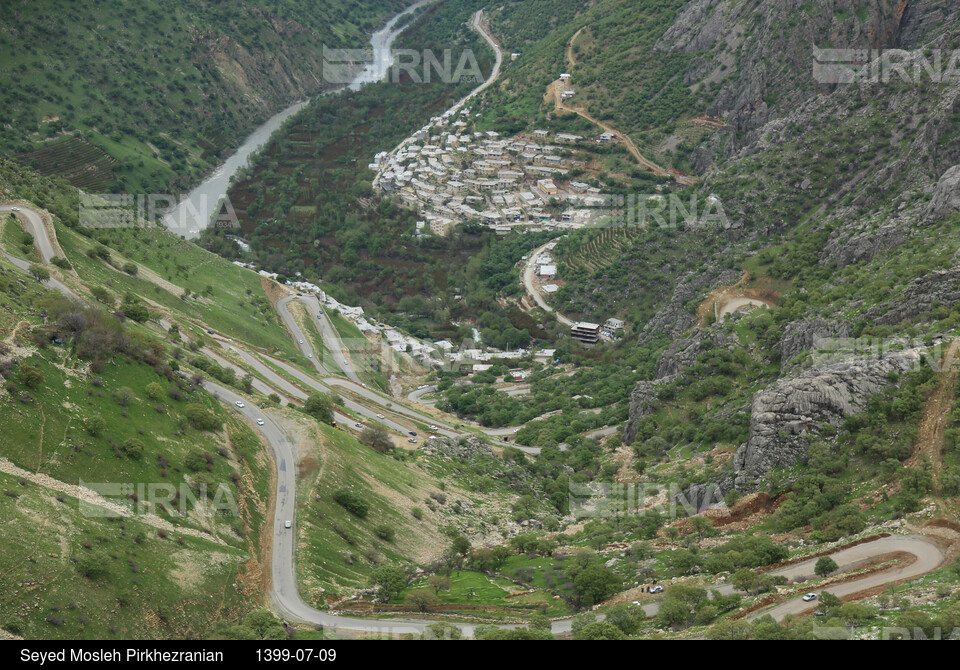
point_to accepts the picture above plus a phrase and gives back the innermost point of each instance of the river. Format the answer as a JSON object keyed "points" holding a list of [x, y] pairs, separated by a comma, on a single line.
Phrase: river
{"points": [[194, 212]]}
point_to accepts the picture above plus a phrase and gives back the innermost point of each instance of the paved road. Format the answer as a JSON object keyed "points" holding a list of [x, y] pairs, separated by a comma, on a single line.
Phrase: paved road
{"points": [[528, 273], [331, 338], [284, 588], [928, 558], [33, 223], [300, 338], [286, 598]]}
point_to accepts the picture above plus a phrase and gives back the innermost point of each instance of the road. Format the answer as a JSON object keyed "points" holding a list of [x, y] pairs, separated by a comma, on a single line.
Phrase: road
{"points": [[33, 223], [331, 338], [284, 588], [494, 75], [285, 593], [528, 274], [302, 341]]}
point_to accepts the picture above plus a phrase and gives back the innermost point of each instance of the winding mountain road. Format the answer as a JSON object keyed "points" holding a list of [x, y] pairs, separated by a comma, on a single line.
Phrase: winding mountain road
{"points": [[284, 591]]}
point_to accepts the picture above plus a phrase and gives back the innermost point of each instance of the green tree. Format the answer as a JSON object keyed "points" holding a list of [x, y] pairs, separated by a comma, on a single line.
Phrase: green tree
{"points": [[825, 565], [600, 630], [318, 406], [39, 272], [264, 625], [30, 376], [390, 581], [423, 600], [438, 583], [595, 583]]}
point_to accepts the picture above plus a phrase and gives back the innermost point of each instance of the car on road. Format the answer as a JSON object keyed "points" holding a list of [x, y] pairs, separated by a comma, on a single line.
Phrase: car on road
{"points": [[379, 416], [259, 422], [516, 430], [363, 385], [411, 440], [656, 589], [14, 209], [239, 404], [412, 433], [432, 427], [209, 332], [287, 524], [300, 341], [309, 355], [810, 596], [358, 425]]}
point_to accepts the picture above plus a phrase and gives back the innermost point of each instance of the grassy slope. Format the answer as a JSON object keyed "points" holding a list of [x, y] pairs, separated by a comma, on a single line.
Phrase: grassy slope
{"points": [[189, 73]]}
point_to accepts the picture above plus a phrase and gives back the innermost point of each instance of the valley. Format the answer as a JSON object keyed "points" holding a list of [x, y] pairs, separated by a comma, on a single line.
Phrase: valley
{"points": [[440, 380]]}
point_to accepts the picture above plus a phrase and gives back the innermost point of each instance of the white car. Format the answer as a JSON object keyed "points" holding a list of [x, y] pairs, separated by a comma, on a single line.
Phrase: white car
{"points": [[411, 440], [363, 385], [432, 427], [309, 355], [300, 341], [656, 589], [239, 404], [380, 416], [14, 209], [810, 596], [259, 422], [287, 524]]}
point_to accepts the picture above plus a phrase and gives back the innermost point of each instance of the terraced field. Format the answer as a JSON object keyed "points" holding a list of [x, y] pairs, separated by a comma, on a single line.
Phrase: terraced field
{"points": [[82, 164]]}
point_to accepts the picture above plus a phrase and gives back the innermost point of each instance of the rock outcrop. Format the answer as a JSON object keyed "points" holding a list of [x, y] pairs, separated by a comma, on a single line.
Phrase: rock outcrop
{"points": [[785, 416], [939, 287], [684, 353], [643, 401], [946, 195], [803, 335]]}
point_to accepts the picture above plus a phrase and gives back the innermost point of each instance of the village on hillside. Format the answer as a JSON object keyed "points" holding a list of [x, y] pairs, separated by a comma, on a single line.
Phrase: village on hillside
{"points": [[527, 182]]}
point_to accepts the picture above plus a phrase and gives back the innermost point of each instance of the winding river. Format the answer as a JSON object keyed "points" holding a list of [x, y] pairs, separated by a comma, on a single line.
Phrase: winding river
{"points": [[194, 211]]}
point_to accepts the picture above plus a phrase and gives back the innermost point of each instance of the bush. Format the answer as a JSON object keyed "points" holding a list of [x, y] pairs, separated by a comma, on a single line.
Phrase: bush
{"points": [[133, 448], [200, 418], [352, 502], [385, 532]]}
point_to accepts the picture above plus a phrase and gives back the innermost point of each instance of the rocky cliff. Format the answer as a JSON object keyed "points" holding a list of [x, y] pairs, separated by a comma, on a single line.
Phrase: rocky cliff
{"points": [[785, 416]]}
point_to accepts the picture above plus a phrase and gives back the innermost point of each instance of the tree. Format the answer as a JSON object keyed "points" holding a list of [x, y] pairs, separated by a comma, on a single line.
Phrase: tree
{"points": [[39, 272], [377, 438], [423, 600], [264, 625], [155, 391], [744, 580], [702, 526], [352, 502], [30, 376], [135, 311], [595, 583], [825, 565], [95, 425], [625, 618], [133, 448], [730, 629], [390, 581], [124, 396], [441, 631], [600, 630], [318, 406], [438, 583], [130, 268], [461, 545]]}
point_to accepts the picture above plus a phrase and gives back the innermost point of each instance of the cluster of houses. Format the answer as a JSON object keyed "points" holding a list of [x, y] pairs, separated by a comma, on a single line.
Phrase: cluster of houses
{"points": [[451, 175]]}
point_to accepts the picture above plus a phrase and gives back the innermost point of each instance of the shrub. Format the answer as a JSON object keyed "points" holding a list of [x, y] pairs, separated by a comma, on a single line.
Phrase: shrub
{"points": [[352, 502]]}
